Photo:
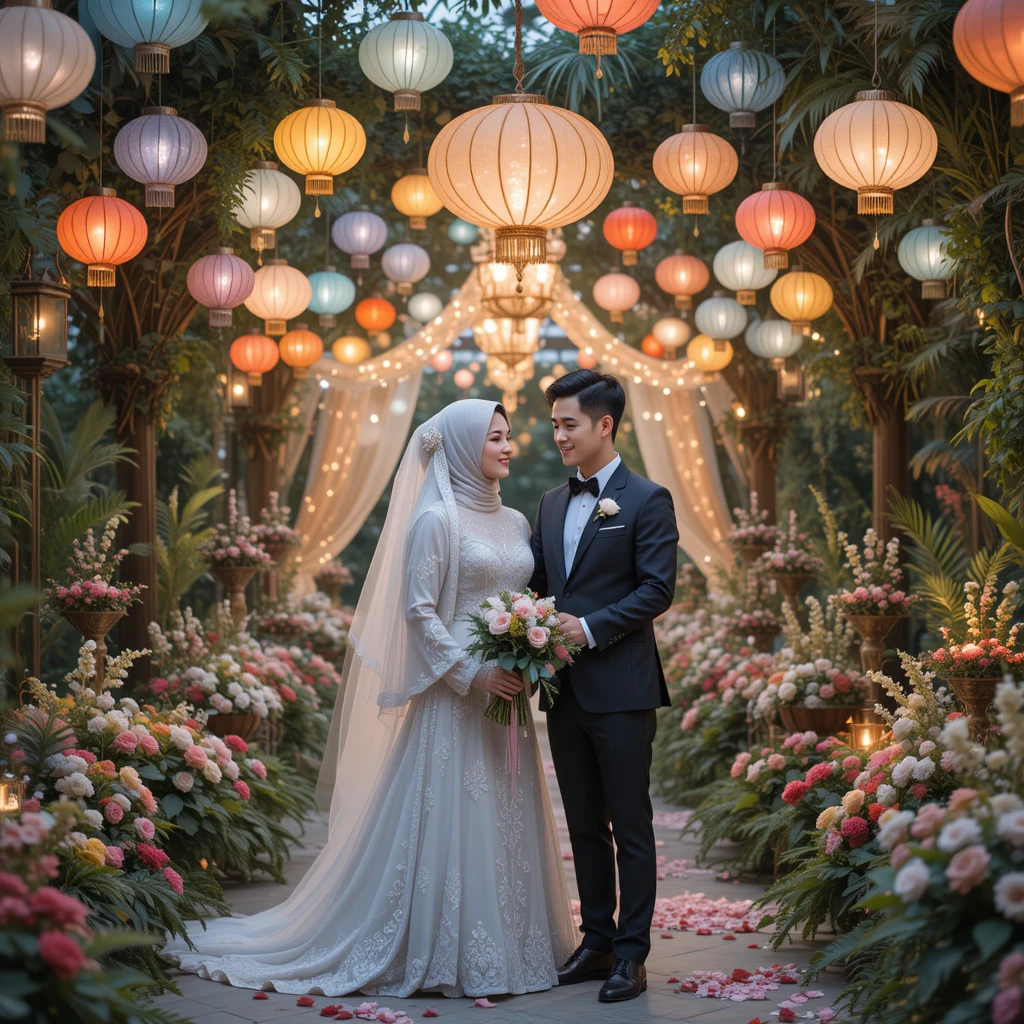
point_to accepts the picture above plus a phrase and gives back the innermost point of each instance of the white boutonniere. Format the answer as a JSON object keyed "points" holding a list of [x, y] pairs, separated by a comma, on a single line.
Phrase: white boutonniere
{"points": [[606, 508]]}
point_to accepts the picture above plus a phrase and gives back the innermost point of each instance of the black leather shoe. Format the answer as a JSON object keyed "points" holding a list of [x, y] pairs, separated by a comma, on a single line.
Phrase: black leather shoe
{"points": [[584, 965], [627, 981]]}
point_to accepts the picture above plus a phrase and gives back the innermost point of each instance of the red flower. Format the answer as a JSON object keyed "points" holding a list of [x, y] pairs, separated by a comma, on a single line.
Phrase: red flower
{"points": [[59, 907], [794, 792], [241, 789], [174, 880], [873, 783], [32, 805], [430, 1012], [740, 975], [191, 723], [286, 692], [236, 743], [62, 954], [875, 811], [194, 693], [688, 986], [953, 715], [818, 773], [918, 791], [855, 831], [151, 857]]}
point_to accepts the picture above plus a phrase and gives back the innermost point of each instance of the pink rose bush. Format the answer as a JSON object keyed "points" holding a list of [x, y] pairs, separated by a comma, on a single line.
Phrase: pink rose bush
{"points": [[791, 552], [879, 586], [274, 526], [236, 542], [752, 526]]}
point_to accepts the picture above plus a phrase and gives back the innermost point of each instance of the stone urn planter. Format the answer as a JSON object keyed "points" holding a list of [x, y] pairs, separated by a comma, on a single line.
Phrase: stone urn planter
{"points": [[827, 721], [791, 583], [751, 552], [976, 695], [279, 556], [763, 636], [873, 630], [234, 725], [332, 588], [235, 579], [95, 626]]}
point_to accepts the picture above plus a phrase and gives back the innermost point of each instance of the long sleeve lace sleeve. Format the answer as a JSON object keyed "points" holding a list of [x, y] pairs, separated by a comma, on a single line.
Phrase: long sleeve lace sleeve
{"points": [[427, 566]]}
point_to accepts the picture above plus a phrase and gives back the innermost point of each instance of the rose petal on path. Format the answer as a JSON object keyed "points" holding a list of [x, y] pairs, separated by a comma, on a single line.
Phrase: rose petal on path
{"points": [[827, 1014], [430, 1012], [787, 1015], [304, 1001], [344, 1015], [667, 935], [816, 994], [260, 995], [728, 938], [752, 945], [330, 1011]]}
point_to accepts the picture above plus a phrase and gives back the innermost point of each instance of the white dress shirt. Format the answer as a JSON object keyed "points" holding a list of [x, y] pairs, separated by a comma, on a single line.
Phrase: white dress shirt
{"points": [[578, 513]]}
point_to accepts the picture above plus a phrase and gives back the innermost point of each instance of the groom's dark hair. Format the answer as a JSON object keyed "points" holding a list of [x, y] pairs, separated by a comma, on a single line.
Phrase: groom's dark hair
{"points": [[599, 394]]}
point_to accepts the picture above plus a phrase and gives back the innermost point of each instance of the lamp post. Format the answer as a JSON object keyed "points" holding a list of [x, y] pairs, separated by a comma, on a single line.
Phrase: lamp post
{"points": [[36, 348]]}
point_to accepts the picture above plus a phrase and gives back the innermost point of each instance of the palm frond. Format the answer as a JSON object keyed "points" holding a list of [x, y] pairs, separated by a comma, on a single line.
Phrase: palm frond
{"points": [[939, 456], [940, 407]]}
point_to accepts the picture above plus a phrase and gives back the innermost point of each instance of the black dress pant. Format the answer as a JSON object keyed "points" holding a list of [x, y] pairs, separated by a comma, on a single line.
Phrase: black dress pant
{"points": [[603, 764]]}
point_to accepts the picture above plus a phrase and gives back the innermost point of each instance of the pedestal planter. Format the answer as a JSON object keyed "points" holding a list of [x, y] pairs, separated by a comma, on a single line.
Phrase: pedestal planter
{"points": [[235, 578], [873, 630], [824, 721], [332, 588], [791, 583], [976, 695], [752, 552], [279, 555], [282, 635], [234, 725], [763, 636], [95, 626]]}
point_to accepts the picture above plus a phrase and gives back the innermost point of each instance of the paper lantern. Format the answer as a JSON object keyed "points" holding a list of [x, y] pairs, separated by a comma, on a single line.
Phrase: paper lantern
{"points": [[463, 379], [375, 314], [682, 276], [630, 228], [720, 317], [510, 379], [616, 293], [503, 296], [652, 347], [152, 27], [709, 355], [773, 340], [424, 306], [520, 166], [405, 264], [406, 56], [270, 199], [46, 60], [300, 349], [776, 220], [671, 332], [442, 361], [280, 293], [321, 142], [598, 23], [102, 232], [742, 81], [332, 293], [739, 266], [586, 360], [695, 163], [988, 37], [359, 233], [414, 196], [220, 281], [875, 145], [160, 150], [506, 339], [461, 232], [555, 247], [801, 297], [254, 354], [350, 349], [922, 254]]}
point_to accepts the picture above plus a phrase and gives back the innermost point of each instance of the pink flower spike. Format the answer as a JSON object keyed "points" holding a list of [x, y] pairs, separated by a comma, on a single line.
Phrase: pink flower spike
{"points": [[484, 1003]]}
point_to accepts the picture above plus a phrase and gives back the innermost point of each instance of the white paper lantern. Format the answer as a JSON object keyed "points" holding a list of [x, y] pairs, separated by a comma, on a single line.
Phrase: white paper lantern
{"points": [[424, 306], [405, 264], [270, 199], [616, 293], [739, 266], [332, 293], [742, 81], [280, 294], [152, 27], [720, 317], [671, 332], [922, 254], [359, 233], [406, 56], [773, 340], [160, 150]]}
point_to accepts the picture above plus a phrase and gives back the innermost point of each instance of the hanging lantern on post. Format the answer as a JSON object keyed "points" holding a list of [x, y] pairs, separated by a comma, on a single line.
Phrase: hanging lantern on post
{"points": [[672, 332], [682, 276], [801, 297], [739, 266], [160, 150], [152, 27], [270, 199], [320, 141], [922, 254], [720, 317], [220, 281], [424, 306], [694, 164], [300, 348], [414, 196], [988, 37], [332, 294], [46, 60], [503, 296], [773, 340], [708, 354], [102, 232], [405, 264], [630, 228], [742, 81], [254, 354], [350, 349], [280, 293], [616, 293], [776, 220], [406, 56]]}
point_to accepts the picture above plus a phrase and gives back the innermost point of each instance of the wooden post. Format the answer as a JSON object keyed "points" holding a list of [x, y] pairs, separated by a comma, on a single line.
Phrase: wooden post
{"points": [[890, 458], [263, 449]]}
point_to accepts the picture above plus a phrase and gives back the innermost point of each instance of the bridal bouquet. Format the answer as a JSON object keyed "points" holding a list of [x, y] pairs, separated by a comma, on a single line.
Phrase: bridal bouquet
{"points": [[521, 632]]}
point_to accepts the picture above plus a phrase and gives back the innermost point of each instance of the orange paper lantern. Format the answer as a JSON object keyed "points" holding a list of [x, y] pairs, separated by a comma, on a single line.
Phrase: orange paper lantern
{"points": [[630, 228], [102, 232], [375, 314], [682, 276], [254, 354], [300, 349], [414, 196], [988, 37], [775, 220], [652, 347], [598, 23]]}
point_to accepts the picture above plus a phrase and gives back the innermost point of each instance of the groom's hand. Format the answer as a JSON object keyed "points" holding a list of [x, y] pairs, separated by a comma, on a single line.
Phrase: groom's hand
{"points": [[498, 682], [573, 628]]}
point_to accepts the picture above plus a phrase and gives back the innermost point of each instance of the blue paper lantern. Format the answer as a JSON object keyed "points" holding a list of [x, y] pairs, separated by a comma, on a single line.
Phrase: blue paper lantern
{"points": [[742, 81], [333, 293], [461, 232], [922, 254], [152, 27]]}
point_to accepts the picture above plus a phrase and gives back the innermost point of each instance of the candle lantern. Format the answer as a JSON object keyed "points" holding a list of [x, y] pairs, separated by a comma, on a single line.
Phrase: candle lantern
{"points": [[12, 793]]}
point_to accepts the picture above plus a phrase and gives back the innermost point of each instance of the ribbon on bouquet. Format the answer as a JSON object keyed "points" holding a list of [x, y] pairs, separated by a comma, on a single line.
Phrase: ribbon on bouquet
{"points": [[512, 753]]}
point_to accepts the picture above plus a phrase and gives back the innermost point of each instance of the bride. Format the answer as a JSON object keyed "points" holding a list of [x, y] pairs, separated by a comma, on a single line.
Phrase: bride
{"points": [[438, 874]]}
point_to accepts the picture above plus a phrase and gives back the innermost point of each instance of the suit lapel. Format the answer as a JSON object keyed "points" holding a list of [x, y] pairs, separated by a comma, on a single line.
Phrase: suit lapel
{"points": [[554, 530], [617, 482]]}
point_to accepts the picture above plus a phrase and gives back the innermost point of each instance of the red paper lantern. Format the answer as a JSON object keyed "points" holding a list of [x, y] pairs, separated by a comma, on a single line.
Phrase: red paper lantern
{"points": [[102, 232], [375, 314], [254, 354], [300, 349], [598, 23], [775, 220], [630, 228], [652, 347], [682, 276]]}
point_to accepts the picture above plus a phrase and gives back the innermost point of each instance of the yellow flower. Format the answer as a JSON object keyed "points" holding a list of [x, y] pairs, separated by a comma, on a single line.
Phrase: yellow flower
{"points": [[853, 801], [130, 778], [518, 627], [827, 817], [94, 852]]}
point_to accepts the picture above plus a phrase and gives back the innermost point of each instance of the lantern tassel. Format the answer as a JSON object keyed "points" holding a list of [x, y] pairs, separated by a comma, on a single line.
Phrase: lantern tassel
{"points": [[599, 74], [316, 209], [405, 134]]}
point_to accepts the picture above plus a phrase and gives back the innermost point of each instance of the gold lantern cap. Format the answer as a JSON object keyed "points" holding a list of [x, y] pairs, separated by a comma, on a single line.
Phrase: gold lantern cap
{"points": [[321, 102], [407, 16], [221, 250], [168, 111], [264, 165], [694, 128], [29, 3], [275, 263], [520, 97], [740, 44], [108, 193], [931, 222], [775, 186], [879, 94]]}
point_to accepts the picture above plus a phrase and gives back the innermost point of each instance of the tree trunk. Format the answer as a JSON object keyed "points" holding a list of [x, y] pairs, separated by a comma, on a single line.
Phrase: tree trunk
{"points": [[264, 472], [890, 467], [763, 480]]}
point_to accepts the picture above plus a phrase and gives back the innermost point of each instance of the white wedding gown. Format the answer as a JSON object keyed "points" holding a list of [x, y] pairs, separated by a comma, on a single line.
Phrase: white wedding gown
{"points": [[455, 886]]}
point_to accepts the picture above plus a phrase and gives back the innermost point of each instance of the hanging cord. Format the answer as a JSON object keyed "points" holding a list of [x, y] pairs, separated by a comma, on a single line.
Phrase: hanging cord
{"points": [[518, 69], [327, 243], [102, 328], [319, 70], [876, 78], [696, 230], [775, 104]]}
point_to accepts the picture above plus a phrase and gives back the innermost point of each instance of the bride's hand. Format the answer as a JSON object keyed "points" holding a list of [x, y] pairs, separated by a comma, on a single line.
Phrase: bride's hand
{"points": [[498, 682]]}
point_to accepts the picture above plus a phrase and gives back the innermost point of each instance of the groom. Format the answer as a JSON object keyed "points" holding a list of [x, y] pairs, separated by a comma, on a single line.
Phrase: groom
{"points": [[604, 546]]}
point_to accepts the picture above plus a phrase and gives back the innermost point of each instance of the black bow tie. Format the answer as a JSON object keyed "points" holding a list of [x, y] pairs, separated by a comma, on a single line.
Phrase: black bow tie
{"points": [[577, 486]]}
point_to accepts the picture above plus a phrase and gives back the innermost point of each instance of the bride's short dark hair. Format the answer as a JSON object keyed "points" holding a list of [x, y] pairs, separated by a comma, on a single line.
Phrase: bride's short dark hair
{"points": [[599, 394]]}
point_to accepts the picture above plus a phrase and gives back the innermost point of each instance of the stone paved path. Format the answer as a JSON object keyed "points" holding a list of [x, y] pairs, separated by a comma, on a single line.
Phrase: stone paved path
{"points": [[207, 1002]]}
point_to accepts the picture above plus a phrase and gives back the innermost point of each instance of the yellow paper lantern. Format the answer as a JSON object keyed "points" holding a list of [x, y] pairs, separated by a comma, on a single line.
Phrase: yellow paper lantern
{"points": [[320, 141], [708, 355], [414, 196], [801, 297], [279, 294], [350, 349], [695, 163], [300, 348]]}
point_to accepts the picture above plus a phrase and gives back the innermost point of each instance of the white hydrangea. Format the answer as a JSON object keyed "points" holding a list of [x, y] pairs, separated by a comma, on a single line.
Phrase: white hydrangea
{"points": [[924, 769], [955, 835], [997, 760], [1003, 803], [230, 769], [130, 706], [105, 701], [926, 748], [181, 738], [242, 701], [221, 703], [822, 664], [1011, 827], [893, 828], [813, 701], [122, 801], [118, 720], [912, 880], [96, 725], [903, 727], [93, 818], [886, 795], [234, 689], [211, 771], [75, 785]]}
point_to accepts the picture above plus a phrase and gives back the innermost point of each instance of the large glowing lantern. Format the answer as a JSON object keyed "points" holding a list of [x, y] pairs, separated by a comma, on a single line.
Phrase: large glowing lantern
{"points": [[102, 232], [375, 314], [254, 354], [508, 340], [332, 294], [709, 355], [682, 276], [414, 196], [598, 23], [773, 340], [270, 199], [630, 228], [405, 264], [300, 349], [671, 332], [520, 166], [220, 281], [739, 266], [616, 293], [720, 317], [406, 56], [359, 233], [321, 142], [776, 220], [160, 150], [695, 163], [503, 296], [801, 297], [350, 349], [152, 27], [875, 145], [742, 81], [922, 254], [280, 294], [46, 60], [988, 36]]}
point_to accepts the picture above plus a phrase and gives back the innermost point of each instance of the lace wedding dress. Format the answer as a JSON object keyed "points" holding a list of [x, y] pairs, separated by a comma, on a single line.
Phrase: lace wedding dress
{"points": [[455, 885]]}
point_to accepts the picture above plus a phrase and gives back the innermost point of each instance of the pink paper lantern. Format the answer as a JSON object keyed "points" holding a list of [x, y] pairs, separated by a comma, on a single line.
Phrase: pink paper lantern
{"points": [[442, 362], [221, 281], [464, 379]]}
